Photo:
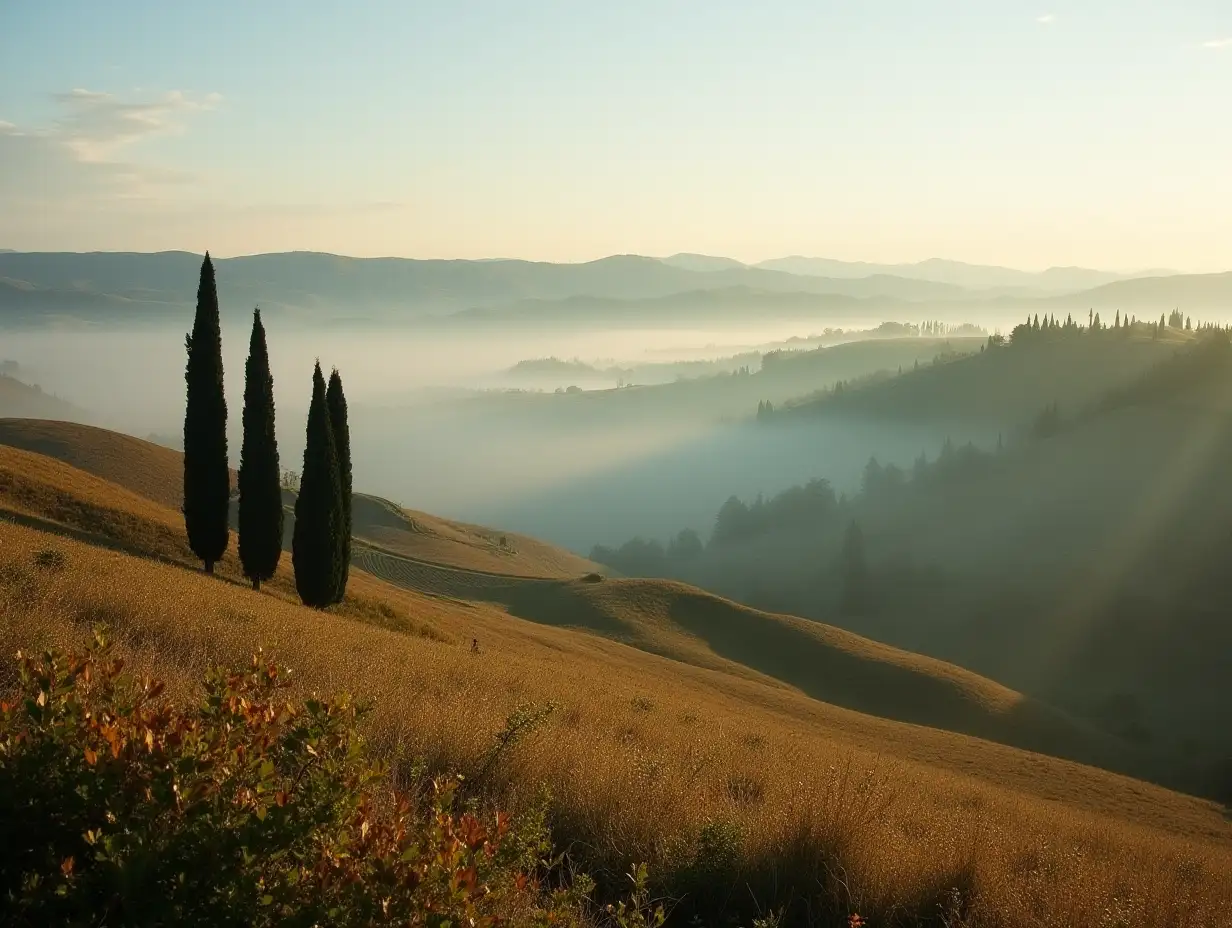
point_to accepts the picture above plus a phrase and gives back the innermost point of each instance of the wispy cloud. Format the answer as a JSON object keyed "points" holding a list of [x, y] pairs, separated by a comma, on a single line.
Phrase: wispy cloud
{"points": [[1047, 19], [1218, 43], [82, 154], [97, 125]]}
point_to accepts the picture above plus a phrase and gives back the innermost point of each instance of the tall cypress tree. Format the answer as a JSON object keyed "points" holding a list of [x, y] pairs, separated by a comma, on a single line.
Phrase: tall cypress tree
{"points": [[315, 545], [260, 517], [207, 479], [335, 399]]}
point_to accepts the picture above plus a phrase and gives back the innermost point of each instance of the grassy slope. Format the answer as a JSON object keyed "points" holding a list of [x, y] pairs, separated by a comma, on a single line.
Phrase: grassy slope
{"points": [[641, 750], [156, 473], [424, 537], [658, 616], [146, 469]]}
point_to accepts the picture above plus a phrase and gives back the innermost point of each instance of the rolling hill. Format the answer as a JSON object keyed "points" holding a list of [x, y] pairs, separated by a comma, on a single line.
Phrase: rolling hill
{"points": [[642, 754], [533, 581], [105, 288], [960, 274], [422, 537], [1193, 294], [149, 470], [22, 400], [315, 283], [156, 474]]}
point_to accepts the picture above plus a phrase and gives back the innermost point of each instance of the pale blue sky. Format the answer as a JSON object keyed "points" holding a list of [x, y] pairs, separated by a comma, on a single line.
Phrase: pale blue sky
{"points": [[1013, 132]]}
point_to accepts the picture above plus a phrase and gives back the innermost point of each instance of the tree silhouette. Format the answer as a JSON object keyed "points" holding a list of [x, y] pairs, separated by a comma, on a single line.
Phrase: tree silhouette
{"points": [[335, 399], [857, 587], [207, 477], [315, 546], [260, 508]]}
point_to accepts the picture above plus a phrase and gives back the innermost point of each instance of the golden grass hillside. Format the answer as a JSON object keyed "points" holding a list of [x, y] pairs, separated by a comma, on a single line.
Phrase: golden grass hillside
{"points": [[732, 789], [157, 473], [423, 537], [733, 785], [698, 628], [149, 470], [661, 617]]}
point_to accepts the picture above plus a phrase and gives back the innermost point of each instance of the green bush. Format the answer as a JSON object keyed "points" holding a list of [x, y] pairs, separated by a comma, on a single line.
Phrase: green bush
{"points": [[118, 808]]}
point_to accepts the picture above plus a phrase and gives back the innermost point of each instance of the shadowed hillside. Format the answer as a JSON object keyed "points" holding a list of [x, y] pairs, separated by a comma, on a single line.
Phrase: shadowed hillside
{"points": [[21, 400], [827, 663], [1084, 563]]}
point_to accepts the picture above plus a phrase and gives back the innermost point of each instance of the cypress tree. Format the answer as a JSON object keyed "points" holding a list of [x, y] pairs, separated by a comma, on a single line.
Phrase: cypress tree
{"points": [[315, 546], [335, 399], [260, 517], [207, 478]]}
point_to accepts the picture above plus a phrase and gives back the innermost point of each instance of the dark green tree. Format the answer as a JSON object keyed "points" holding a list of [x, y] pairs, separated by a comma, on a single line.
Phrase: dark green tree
{"points": [[857, 586], [335, 399], [260, 515], [315, 545], [207, 476]]}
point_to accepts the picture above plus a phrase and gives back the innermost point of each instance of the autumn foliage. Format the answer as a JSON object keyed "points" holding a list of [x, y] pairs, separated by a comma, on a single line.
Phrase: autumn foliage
{"points": [[116, 807]]}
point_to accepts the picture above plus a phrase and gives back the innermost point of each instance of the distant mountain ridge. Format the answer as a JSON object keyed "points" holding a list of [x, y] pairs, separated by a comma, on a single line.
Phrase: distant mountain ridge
{"points": [[934, 270], [415, 288], [39, 288]]}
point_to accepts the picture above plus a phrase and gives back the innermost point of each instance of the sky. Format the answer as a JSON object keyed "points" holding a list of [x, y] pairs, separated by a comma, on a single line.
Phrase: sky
{"points": [[1014, 132]]}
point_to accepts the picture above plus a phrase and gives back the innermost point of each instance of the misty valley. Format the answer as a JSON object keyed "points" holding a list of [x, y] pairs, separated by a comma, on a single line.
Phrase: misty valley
{"points": [[928, 512], [637, 465], [1035, 502]]}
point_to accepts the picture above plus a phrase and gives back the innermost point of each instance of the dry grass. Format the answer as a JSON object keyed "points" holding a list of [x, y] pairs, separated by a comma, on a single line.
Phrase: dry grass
{"points": [[36, 485], [424, 537], [734, 786], [658, 616], [827, 663], [149, 470], [729, 787]]}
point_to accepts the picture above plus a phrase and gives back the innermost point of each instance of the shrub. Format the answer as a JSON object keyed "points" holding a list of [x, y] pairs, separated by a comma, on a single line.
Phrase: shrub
{"points": [[116, 807]]}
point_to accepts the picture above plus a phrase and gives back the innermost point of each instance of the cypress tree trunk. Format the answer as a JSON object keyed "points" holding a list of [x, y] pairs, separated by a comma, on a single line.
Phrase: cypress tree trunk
{"points": [[336, 401], [207, 480], [315, 545], [260, 515]]}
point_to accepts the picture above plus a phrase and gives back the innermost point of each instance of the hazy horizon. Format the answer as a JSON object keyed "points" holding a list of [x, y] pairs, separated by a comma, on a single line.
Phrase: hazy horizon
{"points": [[1031, 136], [752, 263]]}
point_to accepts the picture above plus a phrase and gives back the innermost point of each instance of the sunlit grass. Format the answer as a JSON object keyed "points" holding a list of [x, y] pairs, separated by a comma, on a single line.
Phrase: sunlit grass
{"points": [[731, 790]]}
